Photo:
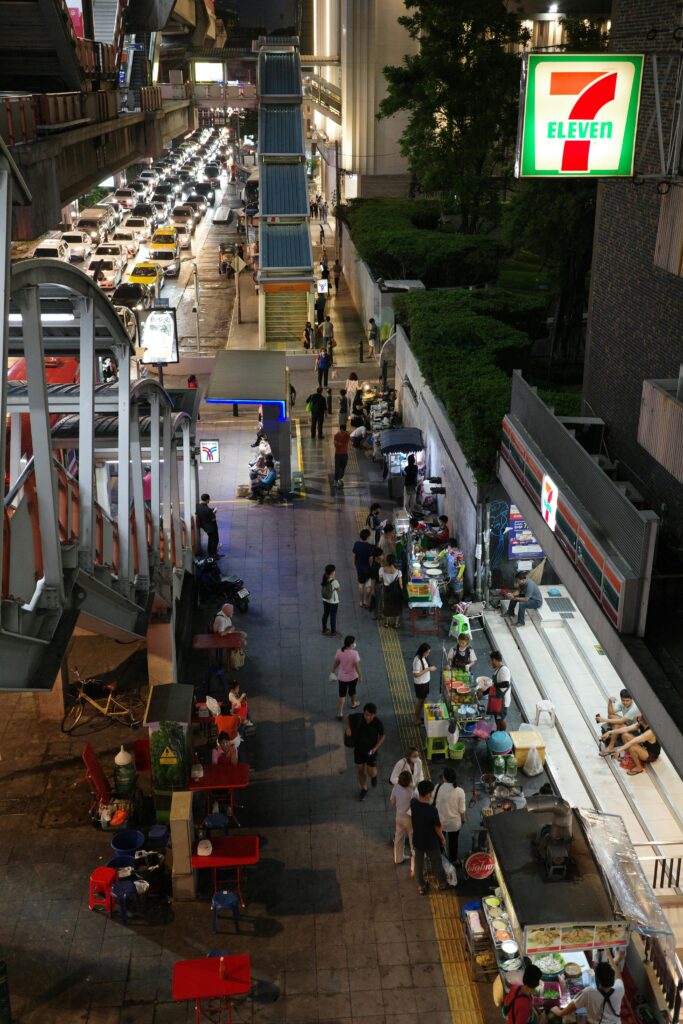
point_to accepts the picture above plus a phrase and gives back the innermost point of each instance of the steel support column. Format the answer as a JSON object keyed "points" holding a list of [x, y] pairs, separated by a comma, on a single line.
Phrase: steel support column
{"points": [[5, 263], [142, 581], [167, 511], [176, 520], [28, 301], [86, 436], [123, 513], [155, 468], [14, 447], [187, 482]]}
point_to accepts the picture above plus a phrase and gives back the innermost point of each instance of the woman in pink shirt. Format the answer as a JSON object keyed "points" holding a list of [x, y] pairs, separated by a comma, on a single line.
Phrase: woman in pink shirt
{"points": [[348, 673]]}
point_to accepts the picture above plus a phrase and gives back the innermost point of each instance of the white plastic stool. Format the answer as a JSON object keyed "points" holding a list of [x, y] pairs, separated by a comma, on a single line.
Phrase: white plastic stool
{"points": [[548, 707]]}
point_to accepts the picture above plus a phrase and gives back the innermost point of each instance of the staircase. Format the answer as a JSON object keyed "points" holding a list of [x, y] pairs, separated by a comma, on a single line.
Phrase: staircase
{"points": [[286, 316]]}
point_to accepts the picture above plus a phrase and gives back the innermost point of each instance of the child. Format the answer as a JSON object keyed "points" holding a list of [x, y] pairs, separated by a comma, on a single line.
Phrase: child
{"points": [[238, 705]]}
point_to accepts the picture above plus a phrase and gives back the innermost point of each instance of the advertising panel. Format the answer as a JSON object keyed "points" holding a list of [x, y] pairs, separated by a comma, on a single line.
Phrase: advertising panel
{"points": [[521, 541], [578, 115], [158, 336]]}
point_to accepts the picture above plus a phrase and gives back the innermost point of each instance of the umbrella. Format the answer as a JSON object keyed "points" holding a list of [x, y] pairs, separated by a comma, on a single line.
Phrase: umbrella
{"points": [[403, 440]]}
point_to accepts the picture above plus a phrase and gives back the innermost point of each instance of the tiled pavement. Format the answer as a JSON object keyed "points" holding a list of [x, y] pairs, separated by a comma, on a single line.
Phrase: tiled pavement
{"points": [[335, 931]]}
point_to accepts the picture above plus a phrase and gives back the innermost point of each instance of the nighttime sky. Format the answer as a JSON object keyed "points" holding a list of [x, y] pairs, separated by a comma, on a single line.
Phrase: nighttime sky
{"points": [[270, 13]]}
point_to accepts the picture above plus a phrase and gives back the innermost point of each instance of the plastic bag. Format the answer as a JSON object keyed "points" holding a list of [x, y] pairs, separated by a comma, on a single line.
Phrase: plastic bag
{"points": [[533, 765], [332, 677], [450, 872]]}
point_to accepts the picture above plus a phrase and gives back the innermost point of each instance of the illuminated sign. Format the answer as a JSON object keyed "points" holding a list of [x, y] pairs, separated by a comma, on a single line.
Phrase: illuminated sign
{"points": [[158, 335], [578, 115], [549, 502], [210, 451]]}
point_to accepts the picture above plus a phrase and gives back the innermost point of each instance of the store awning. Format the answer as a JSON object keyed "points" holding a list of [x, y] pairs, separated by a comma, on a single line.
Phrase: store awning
{"points": [[403, 440]]}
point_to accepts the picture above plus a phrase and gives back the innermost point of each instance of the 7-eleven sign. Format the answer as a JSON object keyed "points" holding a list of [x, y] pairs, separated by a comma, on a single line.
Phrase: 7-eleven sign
{"points": [[579, 115]]}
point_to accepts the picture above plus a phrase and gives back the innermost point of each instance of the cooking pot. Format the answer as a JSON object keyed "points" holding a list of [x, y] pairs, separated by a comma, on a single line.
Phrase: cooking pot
{"points": [[488, 781], [509, 950]]}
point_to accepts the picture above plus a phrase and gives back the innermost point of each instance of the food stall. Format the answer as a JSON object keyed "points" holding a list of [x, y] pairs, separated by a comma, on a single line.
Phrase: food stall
{"points": [[396, 445]]}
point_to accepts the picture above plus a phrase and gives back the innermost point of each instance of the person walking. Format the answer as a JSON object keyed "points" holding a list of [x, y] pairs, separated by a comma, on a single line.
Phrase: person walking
{"points": [[374, 520], [352, 385], [411, 763], [422, 671], [206, 518], [319, 306], [322, 367], [343, 408], [410, 484], [392, 593], [449, 800], [401, 797], [330, 588], [322, 233], [307, 337], [317, 406], [373, 337], [363, 551], [336, 275], [428, 838], [367, 733], [342, 440], [328, 335], [348, 671]]}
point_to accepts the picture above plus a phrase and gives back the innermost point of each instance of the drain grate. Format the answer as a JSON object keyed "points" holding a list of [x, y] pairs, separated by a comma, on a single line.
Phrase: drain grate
{"points": [[566, 615], [560, 604]]}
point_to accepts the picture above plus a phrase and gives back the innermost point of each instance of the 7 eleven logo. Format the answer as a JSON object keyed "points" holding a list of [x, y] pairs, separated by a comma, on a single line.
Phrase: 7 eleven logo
{"points": [[580, 115]]}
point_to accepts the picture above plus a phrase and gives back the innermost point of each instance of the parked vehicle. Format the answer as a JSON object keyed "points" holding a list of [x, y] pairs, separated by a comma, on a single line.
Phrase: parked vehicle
{"points": [[80, 245], [133, 296], [126, 236], [106, 272], [213, 586], [52, 249], [126, 197], [142, 227], [183, 216], [97, 222]]}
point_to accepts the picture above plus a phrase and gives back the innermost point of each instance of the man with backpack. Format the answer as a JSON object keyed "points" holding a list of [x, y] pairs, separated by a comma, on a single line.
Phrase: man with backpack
{"points": [[603, 1003], [518, 1006], [317, 407]]}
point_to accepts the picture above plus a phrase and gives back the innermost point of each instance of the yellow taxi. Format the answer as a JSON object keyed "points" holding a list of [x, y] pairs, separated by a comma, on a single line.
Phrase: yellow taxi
{"points": [[150, 274]]}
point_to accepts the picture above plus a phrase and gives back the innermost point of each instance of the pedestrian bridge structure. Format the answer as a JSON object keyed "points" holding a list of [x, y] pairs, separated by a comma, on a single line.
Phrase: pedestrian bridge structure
{"points": [[79, 544]]}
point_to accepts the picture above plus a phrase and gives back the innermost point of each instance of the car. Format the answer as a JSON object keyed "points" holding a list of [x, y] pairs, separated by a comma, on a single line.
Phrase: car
{"points": [[166, 235], [150, 274], [126, 236], [184, 238], [162, 208], [142, 226], [111, 204], [151, 176], [198, 204], [146, 210], [183, 216], [167, 257], [97, 222], [125, 197], [174, 181], [133, 296], [205, 189], [52, 249], [166, 190], [140, 188], [127, 318], [115, 251], [106, 272], [80, 244]]}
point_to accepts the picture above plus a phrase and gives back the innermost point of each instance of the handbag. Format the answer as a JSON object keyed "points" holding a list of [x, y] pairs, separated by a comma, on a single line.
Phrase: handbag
{"points": [[495, 704], [309, 407]]}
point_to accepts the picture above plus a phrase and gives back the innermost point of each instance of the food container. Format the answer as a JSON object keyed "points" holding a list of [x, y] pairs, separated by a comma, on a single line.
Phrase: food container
{"points": [[503, 935], [509, 950]]}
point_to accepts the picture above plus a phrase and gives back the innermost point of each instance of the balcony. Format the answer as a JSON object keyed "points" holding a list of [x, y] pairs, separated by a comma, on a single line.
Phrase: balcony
{"points": [[660, 427]]}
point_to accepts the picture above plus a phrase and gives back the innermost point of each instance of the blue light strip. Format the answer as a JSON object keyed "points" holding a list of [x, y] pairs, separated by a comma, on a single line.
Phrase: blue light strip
{"points": [[247, 401]]}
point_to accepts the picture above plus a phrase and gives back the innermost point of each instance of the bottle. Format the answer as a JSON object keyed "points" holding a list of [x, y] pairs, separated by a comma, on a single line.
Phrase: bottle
{"points": [[511, 766], [125, 775], [498, 765]]}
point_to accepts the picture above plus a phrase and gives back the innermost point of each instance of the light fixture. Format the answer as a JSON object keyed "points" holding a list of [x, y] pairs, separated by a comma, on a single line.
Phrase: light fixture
{"points": [[552, 9], [45, 318]]}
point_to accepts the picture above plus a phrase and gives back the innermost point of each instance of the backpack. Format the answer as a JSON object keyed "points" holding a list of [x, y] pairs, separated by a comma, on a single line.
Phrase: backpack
{"points": [[509, 1003], [327, 590]]}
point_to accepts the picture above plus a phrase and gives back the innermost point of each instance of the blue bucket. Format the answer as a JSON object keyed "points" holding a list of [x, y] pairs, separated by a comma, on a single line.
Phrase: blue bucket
{"points": [[127, 842], [121, 862]]}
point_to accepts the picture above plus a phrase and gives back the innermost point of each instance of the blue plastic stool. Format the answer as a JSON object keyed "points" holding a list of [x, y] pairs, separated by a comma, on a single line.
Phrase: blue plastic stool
{"points": [[216, 821], [473, 905], [219, 952], [158, 837], [122, 891], [225, 901]]}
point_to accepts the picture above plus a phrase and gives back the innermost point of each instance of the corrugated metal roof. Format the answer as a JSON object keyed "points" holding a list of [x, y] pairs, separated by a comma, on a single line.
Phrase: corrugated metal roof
{"points": [[282, 190], [281, 130], [248, 376], [286, 246], [279, 74]]}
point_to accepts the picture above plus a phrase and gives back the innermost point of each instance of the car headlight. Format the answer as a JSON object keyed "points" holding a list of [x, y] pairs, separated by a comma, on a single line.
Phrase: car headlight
{"points": [[139, 306]]}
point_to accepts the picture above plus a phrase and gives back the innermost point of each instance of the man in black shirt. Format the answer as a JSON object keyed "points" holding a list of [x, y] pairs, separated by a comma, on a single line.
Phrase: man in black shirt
{"points": [[206, 519], [368, 736], [427, 835], [363, 551], [318, 407], [410, 483]]}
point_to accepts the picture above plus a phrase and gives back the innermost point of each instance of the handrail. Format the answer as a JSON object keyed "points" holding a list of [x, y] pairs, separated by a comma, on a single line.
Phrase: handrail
{"points": [[19, 483]]}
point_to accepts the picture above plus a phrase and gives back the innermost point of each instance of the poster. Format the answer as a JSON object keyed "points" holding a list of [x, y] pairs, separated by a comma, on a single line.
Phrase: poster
{"points": [[566, 937], [521, 541], [158, 336], [210, 451]]}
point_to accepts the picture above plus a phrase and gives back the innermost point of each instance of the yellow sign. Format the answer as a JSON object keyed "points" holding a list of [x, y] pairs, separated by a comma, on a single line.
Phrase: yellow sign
{"points": [[238, 264], [168, 757]]}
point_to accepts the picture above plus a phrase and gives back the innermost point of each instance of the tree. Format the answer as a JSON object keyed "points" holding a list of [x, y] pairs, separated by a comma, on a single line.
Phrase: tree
{"points": [[461, 93], [555, 219]]}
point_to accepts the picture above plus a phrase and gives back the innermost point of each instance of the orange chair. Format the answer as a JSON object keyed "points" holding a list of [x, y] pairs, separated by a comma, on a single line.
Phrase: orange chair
{"points": [[229, 724], [101, 881]]}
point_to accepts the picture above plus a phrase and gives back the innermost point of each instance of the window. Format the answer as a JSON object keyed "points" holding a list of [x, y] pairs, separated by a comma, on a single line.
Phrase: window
{"points": [[669, 244]]}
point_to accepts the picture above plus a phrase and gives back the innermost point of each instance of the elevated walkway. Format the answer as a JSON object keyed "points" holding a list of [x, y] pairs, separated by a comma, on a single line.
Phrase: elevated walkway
{"points": [[80, 545]]}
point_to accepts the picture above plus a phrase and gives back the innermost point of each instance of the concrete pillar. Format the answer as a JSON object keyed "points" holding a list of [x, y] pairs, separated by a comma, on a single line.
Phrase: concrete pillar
{"points": [[45, 211], [160, 653], [51, 703]]}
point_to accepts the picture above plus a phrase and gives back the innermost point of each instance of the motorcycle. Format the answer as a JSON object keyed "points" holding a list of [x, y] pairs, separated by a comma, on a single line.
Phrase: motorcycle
{"points": [[213, 586]]}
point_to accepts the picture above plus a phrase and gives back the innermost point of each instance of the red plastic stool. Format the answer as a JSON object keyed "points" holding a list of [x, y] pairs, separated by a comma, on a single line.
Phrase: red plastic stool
{"points": [[101, 882]]}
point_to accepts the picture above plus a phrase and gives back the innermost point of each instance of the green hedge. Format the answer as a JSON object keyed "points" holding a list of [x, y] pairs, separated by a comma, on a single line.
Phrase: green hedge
{"points": [[398, 238], [458, 338]]}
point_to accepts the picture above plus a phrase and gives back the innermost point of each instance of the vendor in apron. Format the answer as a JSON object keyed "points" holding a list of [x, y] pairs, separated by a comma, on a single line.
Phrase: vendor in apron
{"points": [[462, 656], [499, 693]]}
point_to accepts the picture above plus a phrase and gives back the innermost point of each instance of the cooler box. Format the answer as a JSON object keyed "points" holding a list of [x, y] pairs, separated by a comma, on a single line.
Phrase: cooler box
{"points": [[436, 727], [523, 741]]}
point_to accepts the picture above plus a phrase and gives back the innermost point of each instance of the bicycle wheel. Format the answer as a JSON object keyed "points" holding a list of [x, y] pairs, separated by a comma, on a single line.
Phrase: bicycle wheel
{"points": [[73, 715]]}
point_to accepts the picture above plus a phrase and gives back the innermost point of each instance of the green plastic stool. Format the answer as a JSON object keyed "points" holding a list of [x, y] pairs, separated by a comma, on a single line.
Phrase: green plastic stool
{"points": [[298, 481], [437, 745]]}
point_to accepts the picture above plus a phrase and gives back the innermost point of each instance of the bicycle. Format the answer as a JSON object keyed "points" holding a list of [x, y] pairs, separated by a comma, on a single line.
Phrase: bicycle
{"points": [[104, 698]]}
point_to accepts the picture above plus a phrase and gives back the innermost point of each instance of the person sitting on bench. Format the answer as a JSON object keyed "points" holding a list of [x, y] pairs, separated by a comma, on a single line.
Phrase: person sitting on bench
{"points": [[263, 485]]}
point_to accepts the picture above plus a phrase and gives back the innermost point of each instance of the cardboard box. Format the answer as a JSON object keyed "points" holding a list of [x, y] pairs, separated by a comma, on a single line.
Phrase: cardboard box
{"points": [[523, 741]]}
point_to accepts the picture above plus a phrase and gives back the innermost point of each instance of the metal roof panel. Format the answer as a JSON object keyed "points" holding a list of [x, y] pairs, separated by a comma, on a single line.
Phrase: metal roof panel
{"points": [[286, 246], [281, 130], [283, 190], [279, 74]]}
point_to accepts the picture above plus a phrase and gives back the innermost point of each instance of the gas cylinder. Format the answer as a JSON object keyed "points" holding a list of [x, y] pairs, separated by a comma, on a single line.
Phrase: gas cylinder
{"points": [[125, 775]]}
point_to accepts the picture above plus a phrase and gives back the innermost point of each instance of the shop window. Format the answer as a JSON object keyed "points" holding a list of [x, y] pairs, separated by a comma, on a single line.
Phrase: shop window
{"points": [[535, 485], [669, 244], [563, 526], [610, 595], [590, 564]]}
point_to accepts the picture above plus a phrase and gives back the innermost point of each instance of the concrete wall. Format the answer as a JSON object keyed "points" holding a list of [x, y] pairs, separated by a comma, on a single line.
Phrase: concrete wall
{"points": [[362, 285], [421, 408]]}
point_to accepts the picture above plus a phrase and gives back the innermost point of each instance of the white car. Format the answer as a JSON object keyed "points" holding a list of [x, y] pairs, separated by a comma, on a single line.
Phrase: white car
{"points": [[116, 250], [52, 249], [184, 217], [106, 272], [127, 237], [149, 176], [126, 198], [80, 244], [141, 226]]}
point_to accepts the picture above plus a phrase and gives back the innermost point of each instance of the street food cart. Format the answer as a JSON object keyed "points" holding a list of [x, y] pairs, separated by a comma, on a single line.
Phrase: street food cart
{"points": [[396, 445]]}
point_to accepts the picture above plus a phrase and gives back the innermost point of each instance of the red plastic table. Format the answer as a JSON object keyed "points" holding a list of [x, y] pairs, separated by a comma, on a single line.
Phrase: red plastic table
{"points": [[222, 776], [211, 977], [229, 852], [216, 642]]}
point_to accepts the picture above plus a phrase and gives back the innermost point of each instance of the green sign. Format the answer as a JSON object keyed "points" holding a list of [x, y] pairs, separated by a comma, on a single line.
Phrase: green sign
{"points": [[578, 115]]}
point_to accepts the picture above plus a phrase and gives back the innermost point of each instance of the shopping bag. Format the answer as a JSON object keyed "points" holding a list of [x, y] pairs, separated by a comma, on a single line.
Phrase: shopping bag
{"points": [[332, 677], [449, 870], [333, 373], [533, 765]]}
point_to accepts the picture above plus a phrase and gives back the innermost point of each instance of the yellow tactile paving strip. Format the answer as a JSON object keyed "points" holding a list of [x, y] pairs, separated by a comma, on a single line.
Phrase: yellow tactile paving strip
{"points": [[463, 996]]}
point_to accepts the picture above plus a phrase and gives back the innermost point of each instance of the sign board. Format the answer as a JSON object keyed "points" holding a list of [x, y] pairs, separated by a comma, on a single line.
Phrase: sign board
{"points": [[521, 541], [578, 115], [158, 335], [238, 264], [167, 756], [479, 866], [566, 937], [323, 286], [549, 502], [210, 451]]}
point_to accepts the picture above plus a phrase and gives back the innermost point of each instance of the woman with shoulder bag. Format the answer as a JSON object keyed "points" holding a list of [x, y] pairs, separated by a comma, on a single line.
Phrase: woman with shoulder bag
{"points": [[392, 592], [346, 671], [330, 588], [449, 800], [411, 763]]}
